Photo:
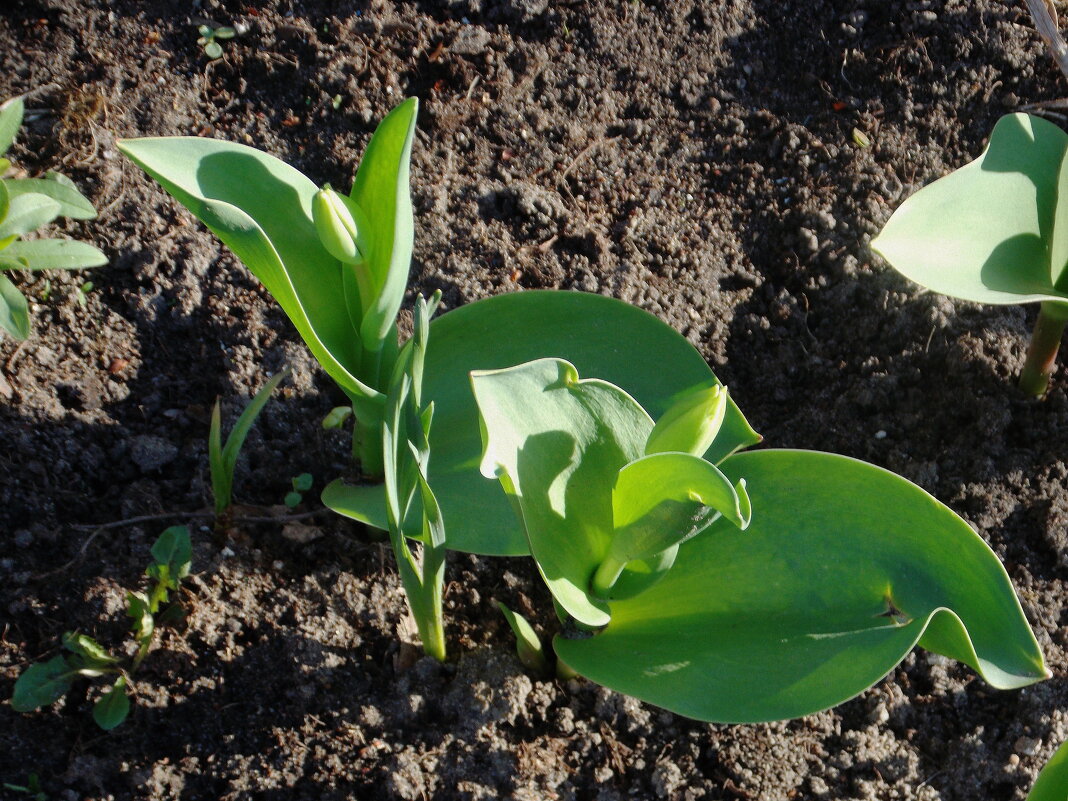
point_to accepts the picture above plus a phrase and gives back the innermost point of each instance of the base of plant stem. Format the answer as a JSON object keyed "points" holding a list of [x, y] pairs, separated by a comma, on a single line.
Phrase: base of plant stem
{"points": [[1042, 352]]}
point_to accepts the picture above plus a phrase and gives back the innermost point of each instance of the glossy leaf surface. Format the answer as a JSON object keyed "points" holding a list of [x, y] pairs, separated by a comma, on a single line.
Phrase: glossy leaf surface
{"points": [[601, 336], [557, 443], [992, 231], [844, 568]]}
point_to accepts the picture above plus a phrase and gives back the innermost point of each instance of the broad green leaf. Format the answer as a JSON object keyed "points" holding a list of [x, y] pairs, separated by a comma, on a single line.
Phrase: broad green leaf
{"points": [[601, 336], [10, 121], [260, 208], [844, 568], [381, 190], [72, 203], [5, 202], [993, 230], [27, 213], [665, 499], [55, 254], [113, 706], [557, 444], [41, 684], [1052, 782], [174, 550], [14, 311]]}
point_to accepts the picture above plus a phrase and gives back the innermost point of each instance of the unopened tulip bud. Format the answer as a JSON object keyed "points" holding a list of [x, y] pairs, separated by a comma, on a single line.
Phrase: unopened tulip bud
{"points": [[691, 424], [337, 223]]}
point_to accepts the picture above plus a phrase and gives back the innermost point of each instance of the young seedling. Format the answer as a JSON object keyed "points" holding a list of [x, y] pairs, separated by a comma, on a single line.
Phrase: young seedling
{"points": [[770, 586], [301, 484], [996, 231], [210, 36], [528, 645], [44, 683], [31, 788], [223, 458], [26, 204]]}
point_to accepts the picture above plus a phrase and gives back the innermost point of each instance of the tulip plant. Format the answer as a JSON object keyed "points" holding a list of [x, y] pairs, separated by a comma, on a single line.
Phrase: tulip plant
{"points": [[996, 231], [770, 586], [338, 265]]}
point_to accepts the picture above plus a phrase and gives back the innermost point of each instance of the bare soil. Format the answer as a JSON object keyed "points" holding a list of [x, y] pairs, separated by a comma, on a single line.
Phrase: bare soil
{"points": [[697, 159]]}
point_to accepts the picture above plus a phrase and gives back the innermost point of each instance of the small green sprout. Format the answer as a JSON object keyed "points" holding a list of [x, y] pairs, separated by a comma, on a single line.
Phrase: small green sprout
{"points": [[44, 683], [996, 231], [26, 204], [336, 417], [527, 643], [31, 788], [335, 102], [765, 586], [82, 295], [209, 36], [301, 484], [223, 458]]}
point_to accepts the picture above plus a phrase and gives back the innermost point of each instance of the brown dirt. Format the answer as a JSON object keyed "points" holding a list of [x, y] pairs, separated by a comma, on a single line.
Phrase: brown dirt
{"points": [[693, 158]]}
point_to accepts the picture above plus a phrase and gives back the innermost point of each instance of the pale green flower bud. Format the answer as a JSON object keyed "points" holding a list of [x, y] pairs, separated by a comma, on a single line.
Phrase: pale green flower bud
{"points": [[691, 424], [337, 219]]}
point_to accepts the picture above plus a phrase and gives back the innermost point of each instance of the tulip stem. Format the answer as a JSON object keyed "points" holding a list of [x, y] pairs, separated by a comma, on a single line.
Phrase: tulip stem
{"points": [[1042, 352]]}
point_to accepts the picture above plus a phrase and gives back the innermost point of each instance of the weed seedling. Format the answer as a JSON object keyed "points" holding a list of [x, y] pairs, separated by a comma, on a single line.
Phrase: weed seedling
{"points": [[210, 35], [26, 204], [44, 683], [223, 458], [301, 484]]}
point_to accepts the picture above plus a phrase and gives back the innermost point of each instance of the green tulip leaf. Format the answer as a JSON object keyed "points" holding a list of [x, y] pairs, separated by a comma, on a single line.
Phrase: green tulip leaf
{"points": [[557, 445], [14, 311], [844, 568], [601, 336], [667, 498], [72, 203], [260, 208], [364, 503], [5, 203], [993, 230], [55, 254], [11, 113], [27, 213], [381, 190], [1052, 782]]}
